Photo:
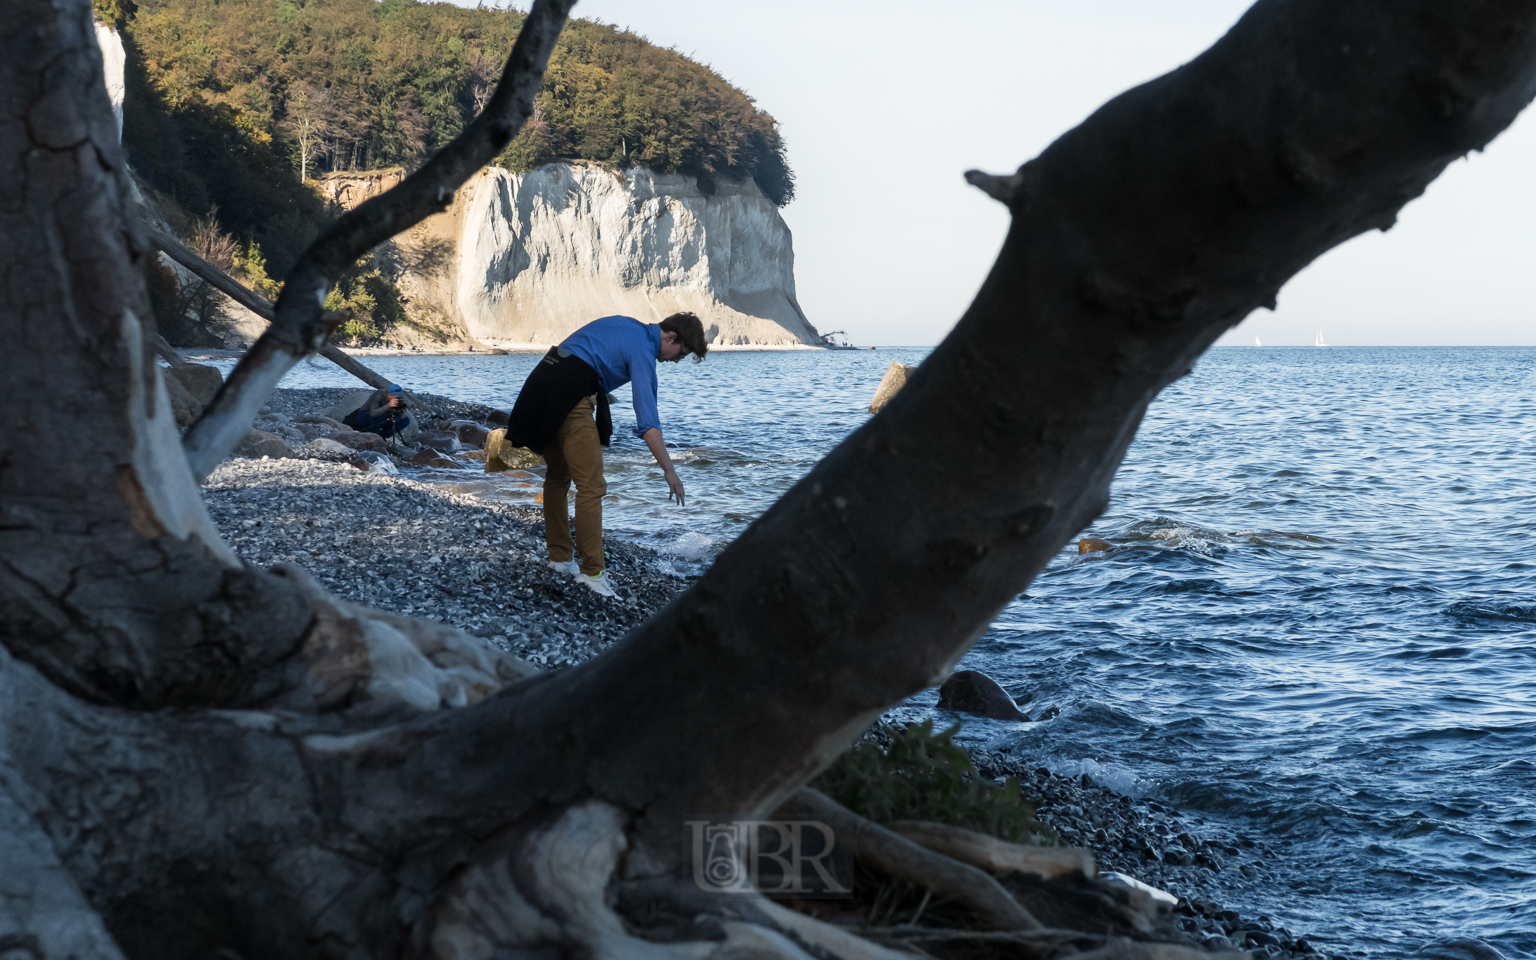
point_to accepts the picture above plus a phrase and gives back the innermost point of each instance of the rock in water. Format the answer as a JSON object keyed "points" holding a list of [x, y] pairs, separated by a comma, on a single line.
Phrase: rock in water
{"points": [[469, 432], [970, 691], [260, 443], [1093, 545], [895, 378], [431, 458], [439, 440], [501, 455]]}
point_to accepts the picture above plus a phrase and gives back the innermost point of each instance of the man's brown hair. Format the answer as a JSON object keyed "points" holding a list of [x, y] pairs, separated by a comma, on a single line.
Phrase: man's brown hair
{"points": [[690, 333]]}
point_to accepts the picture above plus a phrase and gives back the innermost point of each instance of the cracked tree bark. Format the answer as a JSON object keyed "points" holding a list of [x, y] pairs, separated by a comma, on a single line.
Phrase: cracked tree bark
{"points": [[198, 758]]}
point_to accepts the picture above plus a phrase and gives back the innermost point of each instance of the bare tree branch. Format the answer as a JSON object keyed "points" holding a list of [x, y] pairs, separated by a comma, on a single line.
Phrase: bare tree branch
{"points": [[252, 301], [297, 325]]}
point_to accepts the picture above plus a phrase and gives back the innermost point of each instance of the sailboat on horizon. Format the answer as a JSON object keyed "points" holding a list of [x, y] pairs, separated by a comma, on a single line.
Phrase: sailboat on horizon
{"points": [[1256, 341], [1319, 342]]}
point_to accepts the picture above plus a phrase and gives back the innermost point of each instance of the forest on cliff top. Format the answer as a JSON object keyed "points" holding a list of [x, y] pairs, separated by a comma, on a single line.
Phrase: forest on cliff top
{"points": [[232, 104]]}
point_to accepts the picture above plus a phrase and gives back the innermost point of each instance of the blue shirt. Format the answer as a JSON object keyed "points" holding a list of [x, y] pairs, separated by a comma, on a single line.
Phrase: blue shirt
{"points": [[623, 350]]}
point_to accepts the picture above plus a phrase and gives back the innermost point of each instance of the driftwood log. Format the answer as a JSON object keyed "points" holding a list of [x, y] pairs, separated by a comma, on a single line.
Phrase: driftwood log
{"points": [[203, 759]]}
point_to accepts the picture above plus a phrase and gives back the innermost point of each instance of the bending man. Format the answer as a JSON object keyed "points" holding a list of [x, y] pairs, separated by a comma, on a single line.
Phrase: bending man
{"points": [[554, 415]]}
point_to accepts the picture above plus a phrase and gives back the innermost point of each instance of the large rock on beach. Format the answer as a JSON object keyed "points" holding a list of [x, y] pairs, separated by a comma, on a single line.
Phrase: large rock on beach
{"points": [[201, 380], [260, 443], [970, 691], [360, 440], [895, 378], [184, 406]]}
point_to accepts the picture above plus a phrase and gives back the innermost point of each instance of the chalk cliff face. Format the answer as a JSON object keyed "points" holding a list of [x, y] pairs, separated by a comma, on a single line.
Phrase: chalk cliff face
{"points": [[528, 258], [112, 61]]}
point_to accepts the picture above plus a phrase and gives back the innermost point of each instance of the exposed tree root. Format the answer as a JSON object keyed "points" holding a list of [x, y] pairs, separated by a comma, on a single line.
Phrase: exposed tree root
{"points": [[355, 653], [994, 855], [893, 854], [547, 888]]}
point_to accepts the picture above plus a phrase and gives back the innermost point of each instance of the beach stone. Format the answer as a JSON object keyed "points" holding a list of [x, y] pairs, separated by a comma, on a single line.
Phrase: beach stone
{"points": [[359, 440], [431, 458], [469, 432], [327, 449], [201, 380], [971, 691], [260, 443], [184, 406], [1093, 545], [440, 441], [312, 431], [319, 420], [895, 378], [289, 435]]}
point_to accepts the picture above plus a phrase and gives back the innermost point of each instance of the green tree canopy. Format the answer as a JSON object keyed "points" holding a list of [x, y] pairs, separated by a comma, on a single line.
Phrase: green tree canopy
{"points": [[231, 90]]}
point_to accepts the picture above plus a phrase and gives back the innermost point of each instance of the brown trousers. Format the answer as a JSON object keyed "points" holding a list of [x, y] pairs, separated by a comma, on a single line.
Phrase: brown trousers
{"points": [[575, 454]]}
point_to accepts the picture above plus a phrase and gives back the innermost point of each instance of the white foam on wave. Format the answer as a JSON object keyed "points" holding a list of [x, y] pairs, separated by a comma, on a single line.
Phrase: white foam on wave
{"points": [[1115, 776], [689, 546]]}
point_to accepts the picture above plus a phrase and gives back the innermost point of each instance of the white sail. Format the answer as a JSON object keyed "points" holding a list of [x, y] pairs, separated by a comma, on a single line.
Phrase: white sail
{"points": [[1256, 342], [1319, 342]]}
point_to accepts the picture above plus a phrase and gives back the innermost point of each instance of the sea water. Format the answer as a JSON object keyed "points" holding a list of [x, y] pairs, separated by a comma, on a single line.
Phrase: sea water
{"points": [[1318, 628]]}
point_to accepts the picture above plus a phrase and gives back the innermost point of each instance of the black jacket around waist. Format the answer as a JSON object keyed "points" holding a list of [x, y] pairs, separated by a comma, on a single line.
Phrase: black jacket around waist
{"points": [[552, 390]]}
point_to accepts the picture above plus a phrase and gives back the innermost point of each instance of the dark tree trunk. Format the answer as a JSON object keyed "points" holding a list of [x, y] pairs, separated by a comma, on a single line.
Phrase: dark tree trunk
{"points": [[311, 795]]}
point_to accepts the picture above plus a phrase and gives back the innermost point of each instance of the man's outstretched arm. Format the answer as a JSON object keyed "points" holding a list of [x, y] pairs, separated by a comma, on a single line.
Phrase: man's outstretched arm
{"points": [[652, 438]]}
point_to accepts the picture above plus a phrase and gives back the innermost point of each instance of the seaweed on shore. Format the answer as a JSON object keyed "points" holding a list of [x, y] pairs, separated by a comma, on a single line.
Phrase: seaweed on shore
{"points": [[923, 775]]}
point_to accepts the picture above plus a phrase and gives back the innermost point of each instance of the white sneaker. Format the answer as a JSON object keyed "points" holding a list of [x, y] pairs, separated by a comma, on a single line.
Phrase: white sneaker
{"points": [[570, 567], [598, 584]]}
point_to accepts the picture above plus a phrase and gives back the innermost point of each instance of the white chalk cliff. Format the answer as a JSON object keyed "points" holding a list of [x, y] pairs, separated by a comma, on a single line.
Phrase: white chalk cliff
{"points": [[113, 59], [528, 258]]}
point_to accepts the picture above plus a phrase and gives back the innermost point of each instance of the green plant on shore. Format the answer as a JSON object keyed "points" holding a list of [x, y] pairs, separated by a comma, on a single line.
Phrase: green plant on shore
{"points": [[251, 266], [923, 775], [373, 299]]}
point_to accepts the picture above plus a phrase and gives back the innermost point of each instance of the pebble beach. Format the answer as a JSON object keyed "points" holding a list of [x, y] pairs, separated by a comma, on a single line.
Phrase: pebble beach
{"points": [[430, 549]]}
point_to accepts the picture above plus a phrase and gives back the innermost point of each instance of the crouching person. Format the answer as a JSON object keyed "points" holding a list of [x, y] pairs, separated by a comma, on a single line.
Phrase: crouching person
{"points": [[382, 413]]}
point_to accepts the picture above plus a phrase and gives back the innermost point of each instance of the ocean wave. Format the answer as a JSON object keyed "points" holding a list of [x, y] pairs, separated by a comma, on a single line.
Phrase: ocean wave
{"points": [[1492, 610]]}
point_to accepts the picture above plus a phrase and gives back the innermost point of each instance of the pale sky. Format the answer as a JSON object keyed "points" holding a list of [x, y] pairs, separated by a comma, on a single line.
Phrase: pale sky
{"points": [[884, 106]]}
